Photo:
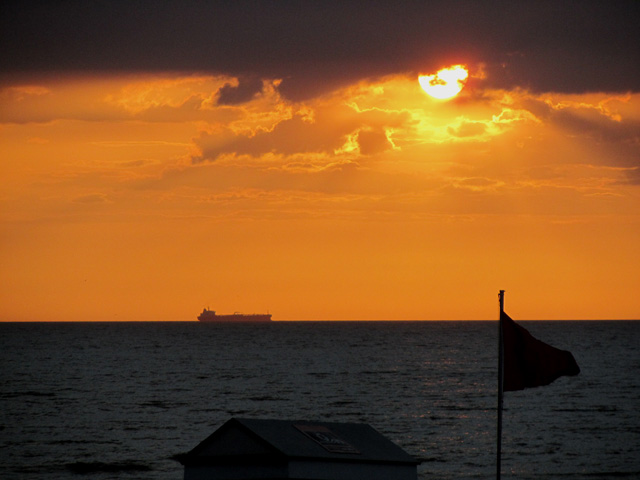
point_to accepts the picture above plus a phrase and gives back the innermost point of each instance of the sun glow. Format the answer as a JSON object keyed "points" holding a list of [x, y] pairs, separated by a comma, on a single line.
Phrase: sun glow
{"points": [[447, 83]]}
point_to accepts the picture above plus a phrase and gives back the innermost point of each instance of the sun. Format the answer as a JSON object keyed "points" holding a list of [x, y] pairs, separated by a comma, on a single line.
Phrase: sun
{"points": [[445, 84]]}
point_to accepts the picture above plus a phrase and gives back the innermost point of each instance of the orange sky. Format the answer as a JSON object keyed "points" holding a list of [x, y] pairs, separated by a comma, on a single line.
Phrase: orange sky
{"points": [[141, 197]]}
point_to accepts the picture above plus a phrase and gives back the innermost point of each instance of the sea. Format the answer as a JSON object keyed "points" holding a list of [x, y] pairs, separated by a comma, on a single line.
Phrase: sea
{"points": [[120, 400]]}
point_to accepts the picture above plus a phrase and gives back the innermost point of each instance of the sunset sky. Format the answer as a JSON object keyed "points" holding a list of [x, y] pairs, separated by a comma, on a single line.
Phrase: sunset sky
{"points": [[160, 157]]}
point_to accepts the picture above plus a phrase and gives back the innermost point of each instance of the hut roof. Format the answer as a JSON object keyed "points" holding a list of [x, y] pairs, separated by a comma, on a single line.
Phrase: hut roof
{"points": [[282, 440]]}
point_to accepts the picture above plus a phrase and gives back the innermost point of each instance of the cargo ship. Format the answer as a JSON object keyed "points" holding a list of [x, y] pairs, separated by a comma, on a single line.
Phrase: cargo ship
{"points": [[211, 316]]}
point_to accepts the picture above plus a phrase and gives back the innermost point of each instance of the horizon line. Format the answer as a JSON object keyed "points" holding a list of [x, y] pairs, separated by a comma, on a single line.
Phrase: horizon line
{"points": [[333, 321]]}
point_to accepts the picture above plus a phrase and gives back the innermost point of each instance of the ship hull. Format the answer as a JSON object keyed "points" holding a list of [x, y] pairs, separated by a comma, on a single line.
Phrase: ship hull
{"points": [[209, 317]]}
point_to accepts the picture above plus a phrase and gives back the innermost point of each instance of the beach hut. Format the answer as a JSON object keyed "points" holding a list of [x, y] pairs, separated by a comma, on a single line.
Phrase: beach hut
{"points": [[250, 449]]}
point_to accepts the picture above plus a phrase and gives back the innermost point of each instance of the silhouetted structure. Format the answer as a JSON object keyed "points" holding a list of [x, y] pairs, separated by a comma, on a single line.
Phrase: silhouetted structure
{"points": [[211, 316], [279, 449]]}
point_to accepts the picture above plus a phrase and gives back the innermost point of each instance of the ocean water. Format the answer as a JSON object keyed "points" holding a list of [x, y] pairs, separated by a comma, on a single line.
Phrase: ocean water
{"points": [[118, 400]]}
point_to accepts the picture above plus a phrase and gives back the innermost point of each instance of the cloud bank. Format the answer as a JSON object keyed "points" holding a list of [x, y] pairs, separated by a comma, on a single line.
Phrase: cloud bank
{"points": [[315, 47]]}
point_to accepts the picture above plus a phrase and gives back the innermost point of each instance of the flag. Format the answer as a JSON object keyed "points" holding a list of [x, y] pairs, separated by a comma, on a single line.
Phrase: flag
{"points": [[528, 362]]}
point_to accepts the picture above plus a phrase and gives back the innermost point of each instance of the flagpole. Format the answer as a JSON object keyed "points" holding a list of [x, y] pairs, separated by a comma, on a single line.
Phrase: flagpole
{"points": [[500, 383]]}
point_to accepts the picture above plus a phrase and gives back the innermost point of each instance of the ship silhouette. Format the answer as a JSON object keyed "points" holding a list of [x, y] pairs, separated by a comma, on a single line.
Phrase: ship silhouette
{"points": [[211, 316]]}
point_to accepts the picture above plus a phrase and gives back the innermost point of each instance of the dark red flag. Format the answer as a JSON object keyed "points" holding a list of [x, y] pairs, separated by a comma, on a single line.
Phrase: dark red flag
{"points": [[528, 362]]}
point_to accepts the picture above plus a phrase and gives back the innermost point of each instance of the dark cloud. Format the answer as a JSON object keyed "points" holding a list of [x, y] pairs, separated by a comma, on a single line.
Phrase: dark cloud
{"points": [[289, 137], [617, 138], [246, 90], [569, 46], [330, 129]]}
